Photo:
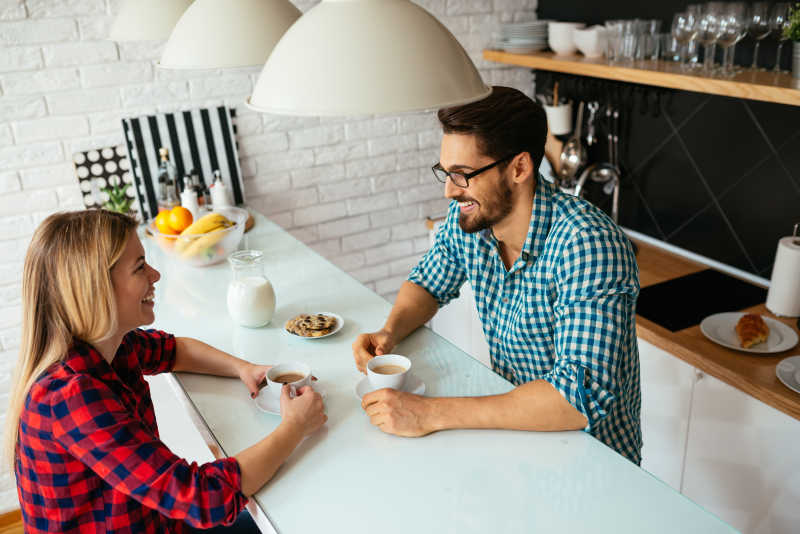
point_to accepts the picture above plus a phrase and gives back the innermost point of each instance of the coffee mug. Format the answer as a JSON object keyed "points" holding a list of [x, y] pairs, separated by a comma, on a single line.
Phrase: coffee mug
{"points": [[559, 118], [295, 374], [388, 371]]}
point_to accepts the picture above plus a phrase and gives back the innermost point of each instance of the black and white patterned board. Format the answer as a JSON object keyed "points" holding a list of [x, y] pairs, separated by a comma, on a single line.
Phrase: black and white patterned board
{"points": [[102, 167], [202, 139]]}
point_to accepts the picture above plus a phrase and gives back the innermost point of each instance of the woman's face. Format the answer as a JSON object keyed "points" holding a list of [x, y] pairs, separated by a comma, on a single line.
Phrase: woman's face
{"points": [[134, 289]]}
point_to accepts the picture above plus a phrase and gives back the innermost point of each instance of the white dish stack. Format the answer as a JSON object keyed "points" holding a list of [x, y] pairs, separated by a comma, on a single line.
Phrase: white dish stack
{"points": [[522, 37]]}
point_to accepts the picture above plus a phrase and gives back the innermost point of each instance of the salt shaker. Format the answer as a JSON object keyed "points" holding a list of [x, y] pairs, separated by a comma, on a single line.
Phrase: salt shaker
{"points": [[219, 193]]}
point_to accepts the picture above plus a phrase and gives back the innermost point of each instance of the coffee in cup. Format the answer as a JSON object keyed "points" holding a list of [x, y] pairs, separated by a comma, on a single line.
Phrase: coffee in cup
{"points": [[388, 371], [294, 374]]}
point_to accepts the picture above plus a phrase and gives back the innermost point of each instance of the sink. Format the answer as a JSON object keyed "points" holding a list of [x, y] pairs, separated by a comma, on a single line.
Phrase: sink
{"points": [[685, 301]]}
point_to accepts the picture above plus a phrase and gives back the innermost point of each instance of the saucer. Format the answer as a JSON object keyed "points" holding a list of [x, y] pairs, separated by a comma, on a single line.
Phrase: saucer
{"points": [[413, 385], [788, 372], [272, 403]]}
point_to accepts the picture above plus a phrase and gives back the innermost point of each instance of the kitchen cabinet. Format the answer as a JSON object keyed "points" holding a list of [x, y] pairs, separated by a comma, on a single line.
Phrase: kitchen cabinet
{"points": [[742, 460]]}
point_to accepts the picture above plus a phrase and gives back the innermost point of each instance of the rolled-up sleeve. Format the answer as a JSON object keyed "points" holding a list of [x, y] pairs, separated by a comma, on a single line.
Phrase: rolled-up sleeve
{"points": [[97, 429], [440, 272], [155, 349], [594, 318]]}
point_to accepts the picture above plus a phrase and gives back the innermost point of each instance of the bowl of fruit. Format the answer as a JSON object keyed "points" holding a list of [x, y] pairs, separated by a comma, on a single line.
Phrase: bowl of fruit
{"points": [[205, 241]]}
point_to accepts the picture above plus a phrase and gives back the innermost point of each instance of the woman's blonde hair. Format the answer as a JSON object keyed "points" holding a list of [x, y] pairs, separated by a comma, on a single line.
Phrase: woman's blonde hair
{"points": [[66, 293]]}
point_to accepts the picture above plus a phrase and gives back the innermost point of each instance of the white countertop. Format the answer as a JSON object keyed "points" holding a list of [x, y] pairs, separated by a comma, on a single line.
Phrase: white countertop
{"points": [[350, 477]]}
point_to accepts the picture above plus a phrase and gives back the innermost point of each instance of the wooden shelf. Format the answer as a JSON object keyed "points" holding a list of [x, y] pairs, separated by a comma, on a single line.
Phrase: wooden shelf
{"points": [[780, 88]]}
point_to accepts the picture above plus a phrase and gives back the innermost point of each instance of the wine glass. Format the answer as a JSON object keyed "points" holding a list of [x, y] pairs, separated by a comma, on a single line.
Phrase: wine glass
{"points": [[684, 30], [758, 24], [728, 31], [778, 21], [744, 14], [707, 35]]}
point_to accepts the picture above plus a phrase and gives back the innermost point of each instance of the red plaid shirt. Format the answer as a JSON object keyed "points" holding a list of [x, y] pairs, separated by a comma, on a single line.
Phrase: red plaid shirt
{"points": [[89, 458]]}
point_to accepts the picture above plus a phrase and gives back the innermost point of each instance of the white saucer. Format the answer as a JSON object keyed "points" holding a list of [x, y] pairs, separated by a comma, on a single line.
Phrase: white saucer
{"points": [[413, 385], [269, 403], [788, 372], [721, 328], [339, 326]]}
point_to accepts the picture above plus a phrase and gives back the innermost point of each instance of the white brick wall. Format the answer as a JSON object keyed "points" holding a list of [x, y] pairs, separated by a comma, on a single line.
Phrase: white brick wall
{"points": [[357, 190]]}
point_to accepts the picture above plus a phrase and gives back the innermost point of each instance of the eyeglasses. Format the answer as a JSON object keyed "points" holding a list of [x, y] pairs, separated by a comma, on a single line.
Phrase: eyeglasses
{"points": [[461, 179]]}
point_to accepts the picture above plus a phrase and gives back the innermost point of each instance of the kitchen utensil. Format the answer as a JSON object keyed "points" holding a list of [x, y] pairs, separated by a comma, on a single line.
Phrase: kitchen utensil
{"points": [[783, 297], [721, 329], [559, 118], [590, 137], [573, 155], [615, 159], [555, 95]]}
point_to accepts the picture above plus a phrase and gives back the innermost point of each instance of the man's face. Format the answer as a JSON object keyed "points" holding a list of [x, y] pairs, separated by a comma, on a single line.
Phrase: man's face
{"points": [[487, 200]]}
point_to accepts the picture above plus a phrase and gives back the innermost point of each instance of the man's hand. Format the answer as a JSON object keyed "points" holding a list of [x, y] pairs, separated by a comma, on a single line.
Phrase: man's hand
{"points": [[399, 413], [254, 377], [367, 346]]}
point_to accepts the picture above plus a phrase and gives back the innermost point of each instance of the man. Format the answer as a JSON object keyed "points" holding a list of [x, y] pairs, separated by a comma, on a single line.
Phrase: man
{"points": [[555, 284]]}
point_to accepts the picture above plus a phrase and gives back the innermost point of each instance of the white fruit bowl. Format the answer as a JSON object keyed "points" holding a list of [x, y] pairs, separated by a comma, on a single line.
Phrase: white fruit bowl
{"points": [[229, 239]]}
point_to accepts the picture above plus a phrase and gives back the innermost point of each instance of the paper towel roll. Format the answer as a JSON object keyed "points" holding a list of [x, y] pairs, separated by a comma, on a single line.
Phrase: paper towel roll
{"points": [[783, 297]]}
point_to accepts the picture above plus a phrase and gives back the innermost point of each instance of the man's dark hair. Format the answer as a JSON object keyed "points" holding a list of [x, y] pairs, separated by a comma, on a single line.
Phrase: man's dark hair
{"points": [[505, 122]]}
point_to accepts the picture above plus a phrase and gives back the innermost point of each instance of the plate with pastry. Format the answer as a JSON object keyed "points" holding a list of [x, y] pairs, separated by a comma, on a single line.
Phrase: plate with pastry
{"points": [[314, 325], [749, 332]]}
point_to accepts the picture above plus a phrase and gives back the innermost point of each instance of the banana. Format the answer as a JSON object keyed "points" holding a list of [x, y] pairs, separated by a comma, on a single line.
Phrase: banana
{"points": [[204, 225], [202, 243]]}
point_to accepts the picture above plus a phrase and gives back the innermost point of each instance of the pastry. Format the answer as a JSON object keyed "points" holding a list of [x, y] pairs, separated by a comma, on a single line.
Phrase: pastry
{"points": [[751, 330], [311, 325]]}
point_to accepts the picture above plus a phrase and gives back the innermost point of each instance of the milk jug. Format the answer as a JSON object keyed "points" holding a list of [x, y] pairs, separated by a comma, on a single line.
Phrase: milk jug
{"points": [[251, 298]]}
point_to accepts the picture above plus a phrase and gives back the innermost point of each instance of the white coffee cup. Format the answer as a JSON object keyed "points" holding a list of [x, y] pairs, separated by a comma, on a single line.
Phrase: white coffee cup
{"points": [[289, 368], [559, 118], [382, 380]]}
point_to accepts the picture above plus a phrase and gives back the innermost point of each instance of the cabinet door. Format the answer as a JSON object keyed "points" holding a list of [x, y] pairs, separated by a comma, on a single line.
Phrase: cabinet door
{"points": [[667, 383], [743, 460]]}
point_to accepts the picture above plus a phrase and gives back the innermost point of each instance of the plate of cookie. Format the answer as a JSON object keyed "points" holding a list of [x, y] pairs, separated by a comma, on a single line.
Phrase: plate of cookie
{"points": [[749, 332], [314, 325]]}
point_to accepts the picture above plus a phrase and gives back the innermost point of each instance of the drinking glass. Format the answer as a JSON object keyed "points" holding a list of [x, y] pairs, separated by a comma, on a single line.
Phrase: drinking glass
{"points": [[728, 31], [630, 38], [613, 40], [778, 21], [692, 47], [670, 49], [758, 26], [707, 36], [683, 30], [744, 14], [650, 48]]}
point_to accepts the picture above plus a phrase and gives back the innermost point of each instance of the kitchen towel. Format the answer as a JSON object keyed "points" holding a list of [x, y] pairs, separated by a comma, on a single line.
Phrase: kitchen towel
{"points": [[784, 291], [202, 139]]}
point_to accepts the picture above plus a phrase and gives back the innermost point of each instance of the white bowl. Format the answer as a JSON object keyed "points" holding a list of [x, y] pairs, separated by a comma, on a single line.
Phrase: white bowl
{"points": [[591, 42], [559, 37]]}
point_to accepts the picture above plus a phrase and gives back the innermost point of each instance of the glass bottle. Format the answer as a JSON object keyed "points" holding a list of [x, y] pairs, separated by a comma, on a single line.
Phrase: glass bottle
{"points": [[167, 182], [251, 298]]}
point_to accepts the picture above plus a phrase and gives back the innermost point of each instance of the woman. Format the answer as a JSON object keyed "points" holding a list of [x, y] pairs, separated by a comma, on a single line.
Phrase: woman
{"points": [[80, 425]]}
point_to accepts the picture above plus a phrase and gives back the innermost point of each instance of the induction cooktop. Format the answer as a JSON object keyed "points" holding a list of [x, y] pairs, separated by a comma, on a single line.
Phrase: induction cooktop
{"points": [[685, 301]]}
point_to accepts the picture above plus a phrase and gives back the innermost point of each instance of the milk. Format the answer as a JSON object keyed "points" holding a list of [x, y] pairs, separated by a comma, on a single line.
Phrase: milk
{"points": [[251, 301]]}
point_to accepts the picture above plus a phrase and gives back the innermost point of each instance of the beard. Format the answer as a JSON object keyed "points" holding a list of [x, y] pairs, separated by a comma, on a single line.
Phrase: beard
{"points": [[489, 212]]}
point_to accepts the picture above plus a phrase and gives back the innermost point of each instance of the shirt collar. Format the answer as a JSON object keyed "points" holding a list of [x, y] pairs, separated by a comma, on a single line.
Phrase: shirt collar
{"points": [[84, 358]]}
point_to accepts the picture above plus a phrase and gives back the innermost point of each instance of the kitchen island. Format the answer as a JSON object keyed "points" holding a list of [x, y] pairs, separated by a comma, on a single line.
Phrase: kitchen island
{"points": [[350, 477]]}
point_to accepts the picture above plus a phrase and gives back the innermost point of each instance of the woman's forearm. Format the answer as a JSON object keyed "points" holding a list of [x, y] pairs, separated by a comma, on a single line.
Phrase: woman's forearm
{"points": [[197, 357], [259, 463]]}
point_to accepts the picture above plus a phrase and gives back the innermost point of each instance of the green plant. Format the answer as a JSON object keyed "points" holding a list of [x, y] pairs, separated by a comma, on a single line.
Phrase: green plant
{"points": [[118, 199], [792, 31]]}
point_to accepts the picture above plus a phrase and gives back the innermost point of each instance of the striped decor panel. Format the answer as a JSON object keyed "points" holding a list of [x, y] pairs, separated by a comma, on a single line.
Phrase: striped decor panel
{"points": [[202, 139]]}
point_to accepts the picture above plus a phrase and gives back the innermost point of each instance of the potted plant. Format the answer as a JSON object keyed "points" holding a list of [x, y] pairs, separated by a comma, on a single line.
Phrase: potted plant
{"points": [[792, 32], [118, 199]]}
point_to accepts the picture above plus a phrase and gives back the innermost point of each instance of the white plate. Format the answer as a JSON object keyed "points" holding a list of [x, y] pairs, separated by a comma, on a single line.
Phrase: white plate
{"points": [[721, 328], [267, 402], [788, 372], [339, 326], [413, 385]]}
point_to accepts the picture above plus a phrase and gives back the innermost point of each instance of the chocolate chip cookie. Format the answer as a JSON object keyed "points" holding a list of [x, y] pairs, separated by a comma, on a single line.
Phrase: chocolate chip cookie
{"points": [[311, 325]]}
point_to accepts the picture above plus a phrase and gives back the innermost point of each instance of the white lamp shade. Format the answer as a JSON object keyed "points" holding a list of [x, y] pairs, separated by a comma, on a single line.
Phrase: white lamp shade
{"points": [[147, 20], [357, 57], [216, 34]]}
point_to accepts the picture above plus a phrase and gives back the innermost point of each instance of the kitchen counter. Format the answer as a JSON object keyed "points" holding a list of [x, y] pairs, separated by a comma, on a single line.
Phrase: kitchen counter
{"points": [[351, 477], [752, 373]]}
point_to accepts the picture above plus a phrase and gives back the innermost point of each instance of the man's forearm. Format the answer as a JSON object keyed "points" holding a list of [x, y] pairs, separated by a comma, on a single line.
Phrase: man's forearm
{"points": [[197, 357], [536, 406], [413, 307]]}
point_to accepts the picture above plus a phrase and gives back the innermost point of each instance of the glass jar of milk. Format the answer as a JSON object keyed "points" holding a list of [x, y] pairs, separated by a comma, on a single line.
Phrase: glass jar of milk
{"points": [[251, 299]]}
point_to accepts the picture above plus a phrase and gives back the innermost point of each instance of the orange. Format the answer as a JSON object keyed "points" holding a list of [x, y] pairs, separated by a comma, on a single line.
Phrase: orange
{"points": [[180, 218], [162, 223]]}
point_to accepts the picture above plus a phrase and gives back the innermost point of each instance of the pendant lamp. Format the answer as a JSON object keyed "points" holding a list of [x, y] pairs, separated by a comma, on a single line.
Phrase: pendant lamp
{"points": [[358, 57], [147, 20], [215, 34]]}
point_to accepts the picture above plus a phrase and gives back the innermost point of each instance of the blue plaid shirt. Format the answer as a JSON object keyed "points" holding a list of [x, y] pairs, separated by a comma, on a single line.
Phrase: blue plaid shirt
{"points": [[564, 312]]}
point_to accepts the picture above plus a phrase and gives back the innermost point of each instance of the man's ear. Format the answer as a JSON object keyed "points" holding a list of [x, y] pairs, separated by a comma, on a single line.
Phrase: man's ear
{"points": [[521, 167]]}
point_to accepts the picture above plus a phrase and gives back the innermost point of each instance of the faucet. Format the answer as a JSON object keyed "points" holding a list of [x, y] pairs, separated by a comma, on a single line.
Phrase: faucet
{"points": [[604, 173]]}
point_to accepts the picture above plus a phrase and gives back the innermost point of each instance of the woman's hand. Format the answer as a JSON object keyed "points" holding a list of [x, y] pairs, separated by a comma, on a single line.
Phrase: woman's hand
{"points": [[254, 377], [305, 413]]}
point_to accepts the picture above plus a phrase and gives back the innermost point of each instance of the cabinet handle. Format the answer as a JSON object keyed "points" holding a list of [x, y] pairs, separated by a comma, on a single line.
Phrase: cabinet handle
{"points": [[698, 375]]}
